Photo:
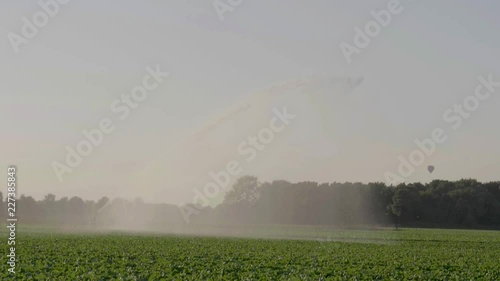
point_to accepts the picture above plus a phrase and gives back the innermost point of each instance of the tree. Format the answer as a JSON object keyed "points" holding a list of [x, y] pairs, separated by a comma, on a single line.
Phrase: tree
{"points": [[398, 202], [76, 210], [245, 191], [101, 203], [2, 209], [49, 198], [98, 208]]}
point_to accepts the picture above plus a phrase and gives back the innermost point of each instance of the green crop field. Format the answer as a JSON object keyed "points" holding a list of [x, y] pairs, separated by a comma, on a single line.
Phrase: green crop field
{"points": [[408, 254]]}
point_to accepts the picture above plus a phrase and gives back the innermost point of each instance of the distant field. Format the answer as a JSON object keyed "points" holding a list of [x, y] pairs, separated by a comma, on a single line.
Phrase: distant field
{"points": [[409, 254]]}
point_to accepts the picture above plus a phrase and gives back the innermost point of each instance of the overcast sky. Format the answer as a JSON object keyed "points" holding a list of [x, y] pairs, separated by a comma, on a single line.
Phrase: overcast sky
{"points": [[66, 77]]}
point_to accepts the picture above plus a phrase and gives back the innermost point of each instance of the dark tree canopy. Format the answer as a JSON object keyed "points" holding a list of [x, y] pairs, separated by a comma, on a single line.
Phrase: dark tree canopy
{"points": [[466, 203]]}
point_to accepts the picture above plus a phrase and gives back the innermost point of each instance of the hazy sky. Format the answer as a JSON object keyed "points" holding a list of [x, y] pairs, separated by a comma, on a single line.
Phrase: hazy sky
{"points": [[91, 52]]}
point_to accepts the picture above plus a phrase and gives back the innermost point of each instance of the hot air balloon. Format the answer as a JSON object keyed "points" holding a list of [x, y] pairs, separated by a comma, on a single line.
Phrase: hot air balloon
{"points": [[430, 169]]}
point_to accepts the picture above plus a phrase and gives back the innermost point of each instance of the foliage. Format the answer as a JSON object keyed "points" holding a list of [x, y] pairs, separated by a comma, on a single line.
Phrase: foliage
{"points": [[375, 255], [463, 204]]}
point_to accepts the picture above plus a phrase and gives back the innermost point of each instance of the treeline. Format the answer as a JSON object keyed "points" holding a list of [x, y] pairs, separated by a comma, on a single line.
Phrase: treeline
{"points": [[105, 213], [466, 204]]}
